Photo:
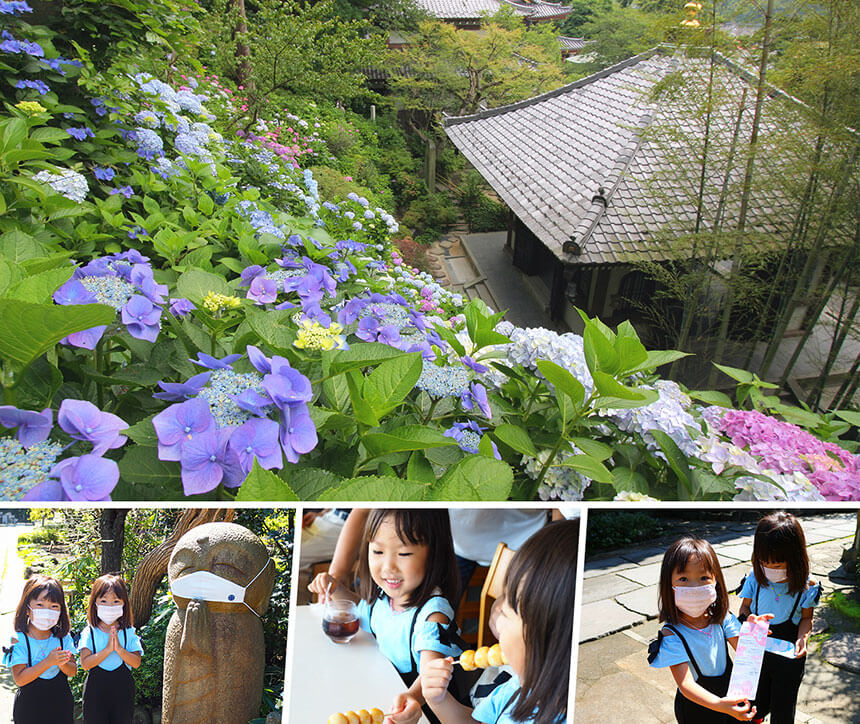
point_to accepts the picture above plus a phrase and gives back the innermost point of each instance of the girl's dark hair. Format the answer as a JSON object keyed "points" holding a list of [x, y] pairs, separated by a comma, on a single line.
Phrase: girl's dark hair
{"points": [[778, 538], [540, 586], [34, 587], [109, 583], [416, 527], [676, 558]]}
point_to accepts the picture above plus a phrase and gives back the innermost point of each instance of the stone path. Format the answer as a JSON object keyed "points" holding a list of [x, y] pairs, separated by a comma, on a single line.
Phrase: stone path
{"points": [[618, 619]]}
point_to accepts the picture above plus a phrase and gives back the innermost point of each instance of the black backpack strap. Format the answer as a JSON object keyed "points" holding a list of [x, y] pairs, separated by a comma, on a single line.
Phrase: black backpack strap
{"points": [[125, 639], [484, 690], [446, 636], [690, 656], [370, 616], [794, 607], [29, 657], [740, 585], [755, 602]]}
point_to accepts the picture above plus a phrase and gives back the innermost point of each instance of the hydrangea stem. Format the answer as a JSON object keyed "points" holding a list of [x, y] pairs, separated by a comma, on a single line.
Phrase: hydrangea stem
{"points": [[429, 414]]}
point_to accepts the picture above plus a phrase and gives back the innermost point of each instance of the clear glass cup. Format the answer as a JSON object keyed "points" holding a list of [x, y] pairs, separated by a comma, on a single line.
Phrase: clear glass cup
{"points": [[340, 620]]}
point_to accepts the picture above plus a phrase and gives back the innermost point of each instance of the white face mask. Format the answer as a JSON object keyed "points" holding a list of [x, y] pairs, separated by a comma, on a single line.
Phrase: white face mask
{"points": [[695, 600], [109, 614], [44, 619], [775, 575], [206, 586]]}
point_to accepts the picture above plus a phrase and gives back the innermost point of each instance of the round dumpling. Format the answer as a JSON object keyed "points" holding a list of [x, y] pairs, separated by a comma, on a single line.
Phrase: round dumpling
{"points": [[481, 657], [364, 716], [467, 660], [352, 718], [495, 655], [337, 718], [377, 715]]}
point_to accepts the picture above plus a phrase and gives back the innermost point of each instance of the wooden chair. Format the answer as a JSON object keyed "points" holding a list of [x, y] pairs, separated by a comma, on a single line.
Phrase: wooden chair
{"points": [[469, 608], [494, 586]]}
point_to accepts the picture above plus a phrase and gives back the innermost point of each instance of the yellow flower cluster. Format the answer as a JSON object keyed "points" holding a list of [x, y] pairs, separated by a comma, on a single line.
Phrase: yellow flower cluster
{"points": [[312, 335], [31, 107], [215, 303]]}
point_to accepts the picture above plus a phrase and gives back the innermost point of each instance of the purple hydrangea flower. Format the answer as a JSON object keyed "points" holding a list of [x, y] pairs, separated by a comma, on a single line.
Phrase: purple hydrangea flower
{"points": [[205, 462], [36, 85], [211, 363], [263, 291], [126, 191], [257, 438], [298, 434], [181, 391], [88, 477], [477, 395], [468, 437], [103, 173], [180, 424], [142, 318], [84, 421], [13, 7], [180, 306], [81, 133], [33, 427]]}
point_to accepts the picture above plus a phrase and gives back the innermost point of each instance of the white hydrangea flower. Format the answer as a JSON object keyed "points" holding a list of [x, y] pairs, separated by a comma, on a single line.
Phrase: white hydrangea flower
{"points": [[67, 183]]}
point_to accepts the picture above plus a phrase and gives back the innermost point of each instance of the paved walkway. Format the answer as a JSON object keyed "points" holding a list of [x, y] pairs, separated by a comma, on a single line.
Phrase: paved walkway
{"points": [[11, 585], [618, 619]]}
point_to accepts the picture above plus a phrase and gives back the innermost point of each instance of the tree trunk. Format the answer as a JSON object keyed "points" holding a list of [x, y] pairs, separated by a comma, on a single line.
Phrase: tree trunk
{"points": [[112, 532], [243, 52], [153, 567], [851, 556]]}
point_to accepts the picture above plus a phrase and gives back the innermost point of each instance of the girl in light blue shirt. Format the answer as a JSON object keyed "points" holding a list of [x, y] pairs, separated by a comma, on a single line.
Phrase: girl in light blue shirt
{"points": [[110, 649]]}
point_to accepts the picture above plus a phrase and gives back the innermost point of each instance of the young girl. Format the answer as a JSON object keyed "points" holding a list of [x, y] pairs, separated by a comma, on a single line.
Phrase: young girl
{"points": [[694, 603], [408, 578], [110, 648], [42, 656], [535, 627], [779, 584]]}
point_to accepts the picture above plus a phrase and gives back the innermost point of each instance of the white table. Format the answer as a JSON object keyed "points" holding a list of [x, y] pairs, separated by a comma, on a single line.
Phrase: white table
{"points": [[329, 677]]}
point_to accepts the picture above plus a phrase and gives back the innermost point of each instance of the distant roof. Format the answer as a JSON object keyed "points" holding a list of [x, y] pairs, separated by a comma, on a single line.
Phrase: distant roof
{"points": [[475, 9], [571, 43], [573, 165]]}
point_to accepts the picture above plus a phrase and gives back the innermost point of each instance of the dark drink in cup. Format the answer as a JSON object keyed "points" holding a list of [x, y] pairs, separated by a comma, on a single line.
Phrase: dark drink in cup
{"points": [[340, 621]]}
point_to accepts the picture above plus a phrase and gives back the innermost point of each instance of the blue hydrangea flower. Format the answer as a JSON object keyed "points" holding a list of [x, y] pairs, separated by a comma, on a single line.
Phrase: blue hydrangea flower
{"points": [[81, 133], [104, 174], [149, 143], [36, 85], [14, 7], [468, 437]]}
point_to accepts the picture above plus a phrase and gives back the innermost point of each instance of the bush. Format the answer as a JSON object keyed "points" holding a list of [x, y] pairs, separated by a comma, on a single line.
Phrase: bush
{"points": [[430, 217], [42, 537], [619, 529], [489, 215], [414, 254]]}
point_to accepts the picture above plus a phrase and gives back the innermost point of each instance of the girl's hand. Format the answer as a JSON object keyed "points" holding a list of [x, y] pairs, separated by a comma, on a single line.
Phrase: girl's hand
{"points": [[113, 639], [760, 618], [800, 647], [435, 677], [320, 585], [58, 657], [738, 708], [405, 709]]}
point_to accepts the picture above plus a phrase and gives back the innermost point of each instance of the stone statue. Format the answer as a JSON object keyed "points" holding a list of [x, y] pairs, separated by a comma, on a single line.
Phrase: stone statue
{"points": [[221, 578]]}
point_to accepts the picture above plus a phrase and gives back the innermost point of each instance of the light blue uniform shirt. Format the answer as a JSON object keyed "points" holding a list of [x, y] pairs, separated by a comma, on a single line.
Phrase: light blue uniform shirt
{"points": [[775, 598], [95, 640], [497, 707], [39, 650], [707, 646], [391, 629]]}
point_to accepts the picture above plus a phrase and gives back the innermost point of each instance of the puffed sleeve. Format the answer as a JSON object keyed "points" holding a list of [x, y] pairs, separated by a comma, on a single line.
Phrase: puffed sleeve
{"points": [[731, 625], [364, 615], [18, 654], [132, 640], [433, 636], [811, 596], [667, 650], [749, 586]]}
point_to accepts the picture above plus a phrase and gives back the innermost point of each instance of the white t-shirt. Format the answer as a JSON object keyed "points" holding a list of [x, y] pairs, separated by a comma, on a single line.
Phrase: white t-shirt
{"points": [[477, 532]]}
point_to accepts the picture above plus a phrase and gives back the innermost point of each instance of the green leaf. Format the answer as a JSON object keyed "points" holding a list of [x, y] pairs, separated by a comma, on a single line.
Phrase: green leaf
{"points": [[485, 447], [37, 386], [12, 132], [515, 438], [711, 397], [657, 358], [196, 283], [262, 484], [598, 450], [404, 439], [18, 246], [360, 406], [38, 288], [849, 416], [589, 467], [563, 381], [631, 353], [363, 354], [47, 134], [600, 354], [448, 335], [309, 483], [30, 330], [608, 386], [676, 459], [275, 327], [205, 204], [419, 469], [140, 466], [379, 488], [143, 433], [708, 485], [625, 479], [390, 383], [475, 477], [735, 373]]}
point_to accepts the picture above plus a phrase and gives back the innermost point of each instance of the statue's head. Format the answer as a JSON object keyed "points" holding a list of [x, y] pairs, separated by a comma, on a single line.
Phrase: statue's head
{"points": [[214, 561]]}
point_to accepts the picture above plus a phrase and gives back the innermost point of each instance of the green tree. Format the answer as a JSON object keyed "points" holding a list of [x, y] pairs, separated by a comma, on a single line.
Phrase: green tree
{"points": [[296, 48], [582, 12], [461, 71], [623, 33]]}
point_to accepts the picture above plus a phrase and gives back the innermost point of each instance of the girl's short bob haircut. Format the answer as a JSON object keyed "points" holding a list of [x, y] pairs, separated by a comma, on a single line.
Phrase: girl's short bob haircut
{"points": [[778, 538], [676, 558], [430, 527], [34, 587], [109, 583], [540, 586]]}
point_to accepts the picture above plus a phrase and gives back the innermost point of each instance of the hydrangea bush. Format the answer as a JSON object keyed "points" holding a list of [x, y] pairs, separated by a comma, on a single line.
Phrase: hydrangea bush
{"points": [[171, 273]]}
